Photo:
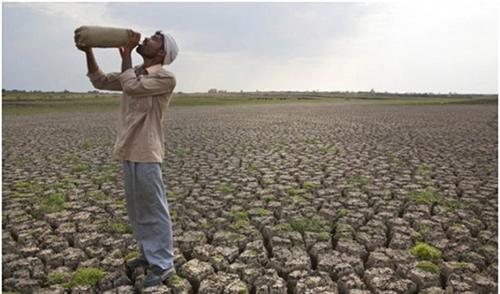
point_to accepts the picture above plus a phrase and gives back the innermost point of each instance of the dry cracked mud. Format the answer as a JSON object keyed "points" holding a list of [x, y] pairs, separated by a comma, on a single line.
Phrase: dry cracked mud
{"points": [[281, 199]]}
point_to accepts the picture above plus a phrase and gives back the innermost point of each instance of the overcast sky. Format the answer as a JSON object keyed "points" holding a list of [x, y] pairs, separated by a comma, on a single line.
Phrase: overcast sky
{"points": [[343, 46]]}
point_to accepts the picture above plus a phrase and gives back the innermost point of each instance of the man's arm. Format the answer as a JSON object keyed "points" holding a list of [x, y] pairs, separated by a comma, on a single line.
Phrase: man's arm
{"points": [[97, 77], [162, 83], [91, 61], [132, 42]]}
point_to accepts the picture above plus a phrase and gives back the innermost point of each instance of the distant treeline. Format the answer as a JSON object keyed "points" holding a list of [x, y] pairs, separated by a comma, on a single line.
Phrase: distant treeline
{"points": [[51, 92], [351, 94]]}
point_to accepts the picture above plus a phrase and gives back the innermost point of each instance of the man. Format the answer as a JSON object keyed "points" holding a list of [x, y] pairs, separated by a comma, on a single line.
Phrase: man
{"points": [[147, 90]]}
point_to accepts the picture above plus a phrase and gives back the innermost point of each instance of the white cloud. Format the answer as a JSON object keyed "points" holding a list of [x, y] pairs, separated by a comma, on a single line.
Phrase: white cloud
{"points": [[72, 12], [419, 46]]}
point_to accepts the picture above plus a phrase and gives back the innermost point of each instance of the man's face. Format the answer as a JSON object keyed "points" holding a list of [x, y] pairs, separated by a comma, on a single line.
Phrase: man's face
{"points": [[151, 46]]}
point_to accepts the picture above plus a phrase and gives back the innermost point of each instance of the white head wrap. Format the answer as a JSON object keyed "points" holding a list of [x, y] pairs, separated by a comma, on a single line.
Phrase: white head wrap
{"points": [[171, 48]]}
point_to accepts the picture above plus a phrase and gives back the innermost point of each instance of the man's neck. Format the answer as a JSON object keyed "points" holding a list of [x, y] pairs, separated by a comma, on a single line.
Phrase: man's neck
{"points": [[150, 62]]}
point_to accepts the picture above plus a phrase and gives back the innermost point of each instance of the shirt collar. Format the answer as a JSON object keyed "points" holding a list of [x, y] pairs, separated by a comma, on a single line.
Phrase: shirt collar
{"points": [[154, 68]]}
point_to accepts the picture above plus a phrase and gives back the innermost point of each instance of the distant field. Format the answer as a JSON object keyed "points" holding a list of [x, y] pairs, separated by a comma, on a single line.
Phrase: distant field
{"points": [[32, 103]]}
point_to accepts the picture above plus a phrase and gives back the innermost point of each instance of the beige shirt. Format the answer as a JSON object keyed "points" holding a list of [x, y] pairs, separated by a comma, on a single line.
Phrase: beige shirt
{"points": [[144, 102]]}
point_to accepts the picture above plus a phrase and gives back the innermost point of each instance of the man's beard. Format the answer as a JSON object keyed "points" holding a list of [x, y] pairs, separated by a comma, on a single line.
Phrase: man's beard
{"points": [[141, 51]]}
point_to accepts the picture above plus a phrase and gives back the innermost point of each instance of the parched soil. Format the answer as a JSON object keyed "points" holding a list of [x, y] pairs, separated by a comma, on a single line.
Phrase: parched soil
{"points": [[281, 199]]}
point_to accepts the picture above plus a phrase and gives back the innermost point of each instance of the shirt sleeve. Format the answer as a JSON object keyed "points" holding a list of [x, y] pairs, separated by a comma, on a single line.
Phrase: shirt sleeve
{"points": [[103, 81], [145, 86]]}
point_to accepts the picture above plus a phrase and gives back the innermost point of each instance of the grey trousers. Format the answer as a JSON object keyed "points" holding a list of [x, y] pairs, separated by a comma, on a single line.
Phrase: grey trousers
{"points": [[147, 209]]}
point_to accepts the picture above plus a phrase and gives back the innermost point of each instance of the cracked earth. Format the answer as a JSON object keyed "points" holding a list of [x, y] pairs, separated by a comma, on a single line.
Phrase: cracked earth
{"points": [[280, 199]]}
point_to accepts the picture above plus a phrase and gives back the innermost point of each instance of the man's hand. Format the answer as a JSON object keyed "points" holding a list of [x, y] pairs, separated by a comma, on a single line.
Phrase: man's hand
{"points": [[133, 40], [77, 37]]}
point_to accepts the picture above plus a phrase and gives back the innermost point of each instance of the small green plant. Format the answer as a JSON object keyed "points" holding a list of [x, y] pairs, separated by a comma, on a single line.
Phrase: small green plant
{"points": [[322, 236], [325, 149], [308, 185], [56, 185], [468, 256], [117, 253], [382, 149], [426, 252], [118, 227], [103, 179], [70, 158], [262, 212], [86, 144], [21, 159], [268, 181], [309, 141], [21, 186], [283, 228], [58, 277], [423, 170], [22, 195], [252, 252], [424, 229], [396, 162], [428, 266], [50, 203], [25, 189], [292, 191], [96, 195], [79, 168], [70, 182], [85, 276], [225, 188], [174, 194], [233, 236], [342, 212], [451, 205], [268, 198], [240, 214], [492, 167], [416, 237], [347, 231], [359, 180], [461, 264], [249, 167], [320, 166], [304, 224], [298, 199], [428, 196], [130, 255], [120, 202], [239, 226], [181, 151], [174, 280], [91, 253]]}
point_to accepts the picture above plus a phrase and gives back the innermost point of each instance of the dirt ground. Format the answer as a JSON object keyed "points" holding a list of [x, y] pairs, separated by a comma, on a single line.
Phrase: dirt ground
{"points": [[280, 199]]}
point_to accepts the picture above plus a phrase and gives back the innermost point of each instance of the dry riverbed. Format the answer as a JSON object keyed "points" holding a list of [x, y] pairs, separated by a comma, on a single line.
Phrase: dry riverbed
{"points": [[277, 199]]}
